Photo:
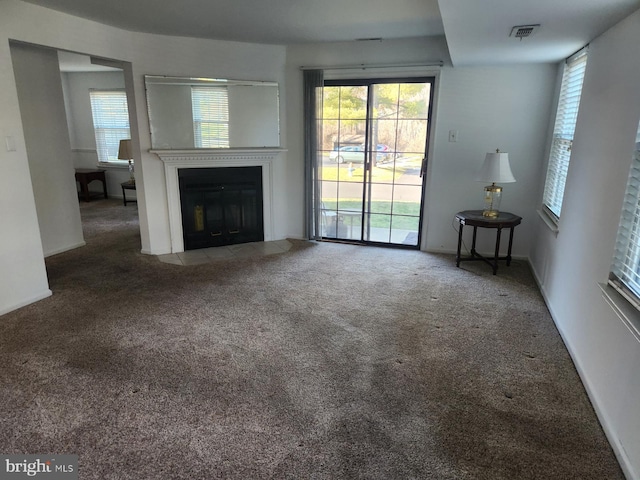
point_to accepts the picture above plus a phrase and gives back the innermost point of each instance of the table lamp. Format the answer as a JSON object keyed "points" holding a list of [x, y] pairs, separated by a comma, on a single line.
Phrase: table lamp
{"points": [[495, 169], [124, 153]]}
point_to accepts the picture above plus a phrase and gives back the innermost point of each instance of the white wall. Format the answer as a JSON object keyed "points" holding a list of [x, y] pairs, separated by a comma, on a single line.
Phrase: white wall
{"points": [[48, 148], [490, 107], [23, 279], [569, 266], [505, 107]]}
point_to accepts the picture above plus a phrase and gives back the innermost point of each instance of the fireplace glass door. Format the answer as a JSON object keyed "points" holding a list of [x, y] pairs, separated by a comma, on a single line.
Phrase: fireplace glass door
{"points": [[221, 206]]}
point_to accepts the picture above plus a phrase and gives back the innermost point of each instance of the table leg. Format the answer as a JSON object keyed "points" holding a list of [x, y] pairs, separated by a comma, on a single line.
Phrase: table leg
{"points": [[104, 188], [84, 188], [497, 254], [510, 244], [124, 197], [473, 241], [459, 245]]}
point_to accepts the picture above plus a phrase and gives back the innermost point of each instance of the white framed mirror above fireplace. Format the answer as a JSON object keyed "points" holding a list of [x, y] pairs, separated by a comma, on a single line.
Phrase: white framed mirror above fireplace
{"points": [[190, 112]]}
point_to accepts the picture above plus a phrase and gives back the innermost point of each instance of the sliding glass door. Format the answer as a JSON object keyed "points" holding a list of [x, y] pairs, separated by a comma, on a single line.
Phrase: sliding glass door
{"points": [[373, 150]]}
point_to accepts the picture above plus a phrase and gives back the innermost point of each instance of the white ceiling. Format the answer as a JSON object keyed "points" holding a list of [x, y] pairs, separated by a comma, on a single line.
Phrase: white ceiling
{"points": [[477, 31], [264, 21]]}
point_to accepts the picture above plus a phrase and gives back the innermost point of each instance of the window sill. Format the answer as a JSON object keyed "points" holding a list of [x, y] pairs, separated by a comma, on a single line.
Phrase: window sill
{"points": [[629, 315], [553, 226], [120, 164]]}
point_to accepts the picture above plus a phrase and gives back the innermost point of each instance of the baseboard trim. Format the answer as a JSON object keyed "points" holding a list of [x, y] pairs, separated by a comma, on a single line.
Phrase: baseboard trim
{"points": [[603, 418], [64, 249], [145, 251], [28, 301], [445, 251]]}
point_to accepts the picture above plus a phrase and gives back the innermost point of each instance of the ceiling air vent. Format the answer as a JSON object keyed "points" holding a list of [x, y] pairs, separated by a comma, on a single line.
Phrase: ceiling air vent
{"points": [[524, 31]]}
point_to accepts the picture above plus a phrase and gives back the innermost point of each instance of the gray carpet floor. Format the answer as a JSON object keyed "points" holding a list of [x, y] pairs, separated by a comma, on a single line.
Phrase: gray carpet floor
{"points": [[330, 361]]}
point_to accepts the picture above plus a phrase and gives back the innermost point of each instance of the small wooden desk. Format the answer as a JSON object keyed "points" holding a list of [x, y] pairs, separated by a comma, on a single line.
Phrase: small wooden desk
{"points": [[475, 219], [84, 176], [129, 185]]}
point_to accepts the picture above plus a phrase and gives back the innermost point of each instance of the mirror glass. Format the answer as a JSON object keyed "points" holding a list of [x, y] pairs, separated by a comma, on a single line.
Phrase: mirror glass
{"points": [[189, 113]]}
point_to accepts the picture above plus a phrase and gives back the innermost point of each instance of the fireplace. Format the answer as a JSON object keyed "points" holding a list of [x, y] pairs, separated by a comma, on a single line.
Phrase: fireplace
{"points": [[221, 206], [268, 159]]}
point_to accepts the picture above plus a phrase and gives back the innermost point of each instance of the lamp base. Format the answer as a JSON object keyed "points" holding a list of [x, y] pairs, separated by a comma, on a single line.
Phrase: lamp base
{"points": [[132, 178], [492, 196]]}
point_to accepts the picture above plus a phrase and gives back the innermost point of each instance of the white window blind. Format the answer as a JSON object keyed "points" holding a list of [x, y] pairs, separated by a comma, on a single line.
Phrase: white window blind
{"points": [[110, 121], [210, 116], [625, 271], [566, 115]]}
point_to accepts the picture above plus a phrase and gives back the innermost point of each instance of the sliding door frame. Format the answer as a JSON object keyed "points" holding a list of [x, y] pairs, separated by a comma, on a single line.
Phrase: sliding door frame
{"points": [[430, 79]]}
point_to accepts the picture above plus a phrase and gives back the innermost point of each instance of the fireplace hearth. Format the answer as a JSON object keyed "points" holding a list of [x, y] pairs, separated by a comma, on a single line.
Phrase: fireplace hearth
{"points": [[221, 206]]}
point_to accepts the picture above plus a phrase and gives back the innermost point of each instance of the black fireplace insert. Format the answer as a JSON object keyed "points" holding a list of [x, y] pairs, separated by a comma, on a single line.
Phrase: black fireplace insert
{"points": [[221, 206]]}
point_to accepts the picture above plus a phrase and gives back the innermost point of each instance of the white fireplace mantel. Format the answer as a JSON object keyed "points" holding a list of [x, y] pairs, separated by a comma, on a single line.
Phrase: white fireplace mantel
{"points": [[214, 158]]}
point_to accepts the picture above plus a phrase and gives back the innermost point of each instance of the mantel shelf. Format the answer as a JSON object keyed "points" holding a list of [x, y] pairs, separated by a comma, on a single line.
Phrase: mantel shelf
{"points": [[217, 153]]}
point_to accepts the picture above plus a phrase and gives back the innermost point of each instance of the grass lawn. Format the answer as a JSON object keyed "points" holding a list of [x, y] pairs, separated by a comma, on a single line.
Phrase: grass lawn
{"points": [[405, 214]]}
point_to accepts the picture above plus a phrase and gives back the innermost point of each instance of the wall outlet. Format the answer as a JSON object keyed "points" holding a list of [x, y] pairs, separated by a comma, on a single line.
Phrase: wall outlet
{"points": [[453, 136]]}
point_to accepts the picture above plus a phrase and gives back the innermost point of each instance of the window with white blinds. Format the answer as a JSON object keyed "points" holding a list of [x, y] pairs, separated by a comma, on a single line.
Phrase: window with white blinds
{"points": [[110, 121], [210, 116], [625, 271], [565, 125]]}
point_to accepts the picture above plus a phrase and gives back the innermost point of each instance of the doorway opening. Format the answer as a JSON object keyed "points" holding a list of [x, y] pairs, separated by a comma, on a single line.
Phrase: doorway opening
{"points": [[372, 150], [53, 90]]}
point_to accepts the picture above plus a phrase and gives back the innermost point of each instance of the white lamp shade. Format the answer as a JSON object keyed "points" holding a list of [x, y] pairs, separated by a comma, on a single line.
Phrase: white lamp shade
{"points": [[496, 169], [124, 150]]}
